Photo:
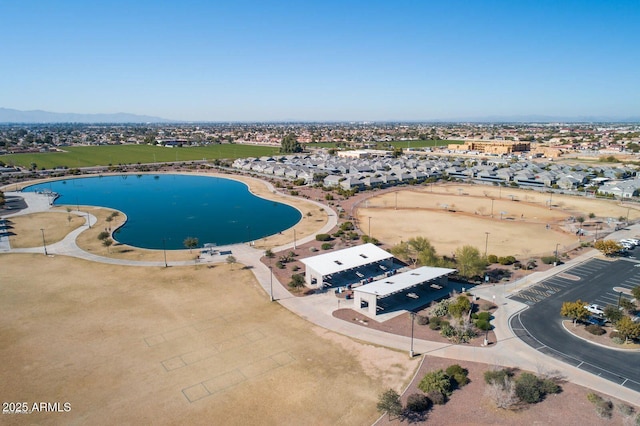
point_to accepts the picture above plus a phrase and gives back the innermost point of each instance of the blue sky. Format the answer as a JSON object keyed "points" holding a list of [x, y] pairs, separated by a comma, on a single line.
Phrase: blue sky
{"points": [[329, 60]]}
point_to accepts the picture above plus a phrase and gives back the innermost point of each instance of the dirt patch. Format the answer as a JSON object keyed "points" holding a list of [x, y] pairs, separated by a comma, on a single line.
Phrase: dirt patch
{"points": [[176, 345], [518, 222], [28, 229]]}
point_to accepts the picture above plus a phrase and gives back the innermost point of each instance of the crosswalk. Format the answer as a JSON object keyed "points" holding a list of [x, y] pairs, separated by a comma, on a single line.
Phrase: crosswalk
{"points": [[557, 283]]}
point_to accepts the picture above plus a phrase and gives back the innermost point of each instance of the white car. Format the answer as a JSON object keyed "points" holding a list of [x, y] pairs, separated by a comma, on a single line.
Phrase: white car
{"points": [[595, 309]]}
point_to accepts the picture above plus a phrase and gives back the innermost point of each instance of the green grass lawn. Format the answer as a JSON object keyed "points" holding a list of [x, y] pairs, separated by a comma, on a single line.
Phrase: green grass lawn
{"points": [[87, 156]]}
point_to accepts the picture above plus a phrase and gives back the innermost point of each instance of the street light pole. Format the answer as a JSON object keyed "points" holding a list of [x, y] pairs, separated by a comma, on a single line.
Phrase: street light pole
{"points": [[271, 282], [44, 243], [492, 207], [413, 317], [369, 226], [164, 250], [294, 238], [486, 244], [557, 251], [627, 221]]}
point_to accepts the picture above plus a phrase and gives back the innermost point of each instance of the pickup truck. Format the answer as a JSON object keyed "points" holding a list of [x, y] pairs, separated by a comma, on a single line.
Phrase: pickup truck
{"points": [[595, 309]]}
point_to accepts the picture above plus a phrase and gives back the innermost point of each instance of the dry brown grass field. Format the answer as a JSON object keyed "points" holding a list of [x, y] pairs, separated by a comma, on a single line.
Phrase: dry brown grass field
{"points": [[189, 345], [56, 225], [451, 216]]}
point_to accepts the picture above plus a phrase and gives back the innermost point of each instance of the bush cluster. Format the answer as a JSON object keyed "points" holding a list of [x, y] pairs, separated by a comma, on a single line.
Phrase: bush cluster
{"points": [[506, 260], [604, 407], [323, 237], [422, 319], [439, 384], [418, 403], [595, 329], [526, 388]]}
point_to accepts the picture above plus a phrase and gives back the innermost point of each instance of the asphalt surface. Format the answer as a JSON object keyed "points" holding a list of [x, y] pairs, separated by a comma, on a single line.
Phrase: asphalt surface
{"points": [[540, 326]]}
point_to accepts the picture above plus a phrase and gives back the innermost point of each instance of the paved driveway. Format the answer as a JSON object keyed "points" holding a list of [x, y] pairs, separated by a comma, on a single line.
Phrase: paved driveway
{"points": [[541, 325]]}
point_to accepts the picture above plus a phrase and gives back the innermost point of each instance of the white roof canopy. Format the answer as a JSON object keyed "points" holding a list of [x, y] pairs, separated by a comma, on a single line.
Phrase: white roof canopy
{"points": [[346, 259], [403, 281]]}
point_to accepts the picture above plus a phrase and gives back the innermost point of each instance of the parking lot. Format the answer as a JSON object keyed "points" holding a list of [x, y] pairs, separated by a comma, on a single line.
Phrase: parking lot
{"points": [[593, 281]]}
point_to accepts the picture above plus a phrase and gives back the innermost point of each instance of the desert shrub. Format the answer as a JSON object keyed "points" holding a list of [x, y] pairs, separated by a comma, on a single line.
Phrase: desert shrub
{"points": [[593, 398], [492, 258], [618, 340], [437, 397], [528, 388], [295, 268], [434, 323], [297, 281], [549, 387], [548, 260], [441, 308], [446, 330], [389, 401], [614, 334], [484, 316], [483, 325], [323, 237], [435, 381], [506, 260], [418, 403], [604, 409], [460, 306], [326, 246], [595, 329], [498, 376], [503, 395], [422, 319], [457, 375], [279, 265], [626, 410], [103, 235]]}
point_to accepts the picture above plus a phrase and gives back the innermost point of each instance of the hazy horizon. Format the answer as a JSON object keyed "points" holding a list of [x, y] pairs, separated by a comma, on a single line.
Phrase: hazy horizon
{"points": [[254, 61]]}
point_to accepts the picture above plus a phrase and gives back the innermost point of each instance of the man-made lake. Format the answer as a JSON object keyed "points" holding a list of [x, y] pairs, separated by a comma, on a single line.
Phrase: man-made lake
{"points": [[165, 209]]}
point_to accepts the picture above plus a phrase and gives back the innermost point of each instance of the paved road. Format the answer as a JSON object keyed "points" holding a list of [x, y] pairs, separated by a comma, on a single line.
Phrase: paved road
{"points": [[541, 325]]}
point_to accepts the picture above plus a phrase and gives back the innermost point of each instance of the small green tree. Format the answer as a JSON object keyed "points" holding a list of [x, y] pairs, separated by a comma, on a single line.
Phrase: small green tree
{"points": [[635, 292], [469, 262], [103, 235], [607, 247], [627, 329], [574, 310], [190, 243], [289, 144], [107, 242], [231, 260], [389, 402], [297, 281], [268, 253], [613, 314]]}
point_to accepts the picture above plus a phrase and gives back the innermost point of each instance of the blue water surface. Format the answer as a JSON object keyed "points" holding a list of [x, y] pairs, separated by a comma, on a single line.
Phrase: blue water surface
{"points": [[163, 210]]}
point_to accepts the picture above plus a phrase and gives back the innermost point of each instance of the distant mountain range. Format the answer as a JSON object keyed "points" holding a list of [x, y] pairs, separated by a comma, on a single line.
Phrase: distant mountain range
{"points": [[36, 116], [8, 115]]}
